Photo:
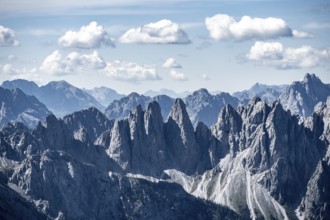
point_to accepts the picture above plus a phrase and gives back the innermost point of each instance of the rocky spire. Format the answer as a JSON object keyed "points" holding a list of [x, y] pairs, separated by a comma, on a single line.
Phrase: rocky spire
{"points": [[180, 139], [120, 146], [181, 118]]}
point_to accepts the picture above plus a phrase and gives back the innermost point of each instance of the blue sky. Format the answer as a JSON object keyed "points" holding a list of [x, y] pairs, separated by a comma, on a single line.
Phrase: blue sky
{"points": [[180, 45]]}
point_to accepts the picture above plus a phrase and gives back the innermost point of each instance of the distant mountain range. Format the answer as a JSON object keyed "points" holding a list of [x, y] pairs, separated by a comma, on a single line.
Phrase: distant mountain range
{"points": [[267, 93], [61, 98], [17, 106], [166, 92], [104, 95], [122, 108]]}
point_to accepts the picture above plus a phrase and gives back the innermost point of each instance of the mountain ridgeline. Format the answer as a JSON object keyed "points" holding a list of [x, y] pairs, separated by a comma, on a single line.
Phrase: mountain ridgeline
{"points": [[301, 98], [203, 157]]}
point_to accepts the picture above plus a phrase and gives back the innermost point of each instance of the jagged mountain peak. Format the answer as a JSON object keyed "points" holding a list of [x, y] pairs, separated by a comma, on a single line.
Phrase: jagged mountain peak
{"points": [[256, 111], [134, 95], [205, 107], [179, 112], [201, 91], [311, 78], [52, 123], [302, 97], [154, 109], [153, 118], [91, 120], [229, 123], [85, 114]]}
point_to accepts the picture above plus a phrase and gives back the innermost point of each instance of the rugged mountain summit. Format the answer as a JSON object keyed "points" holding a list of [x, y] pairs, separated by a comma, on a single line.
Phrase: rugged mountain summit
{"points": [[91, 121], [204, 107], [59, 96], [17, 106], [302, 97]]}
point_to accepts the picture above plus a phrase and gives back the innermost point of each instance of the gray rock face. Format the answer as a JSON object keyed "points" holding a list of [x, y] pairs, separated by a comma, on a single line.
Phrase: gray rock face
{"points": [[138, 143], [180, 138], [267, 93], [14, 206], [91, 120], [64, 187], [204, 107], [17, 106], [70, 178], [263, 158], [60, 97], [315, 203], [302, 97]]}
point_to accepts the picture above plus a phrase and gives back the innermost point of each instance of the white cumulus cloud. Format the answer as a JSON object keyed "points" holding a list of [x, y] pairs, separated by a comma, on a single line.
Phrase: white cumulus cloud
{"points": [[176, 75], [7, 37], [171, 63], [223, 27], [89, 36], [74, 62], [276, 55], [160, 32], [129, 71]]}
